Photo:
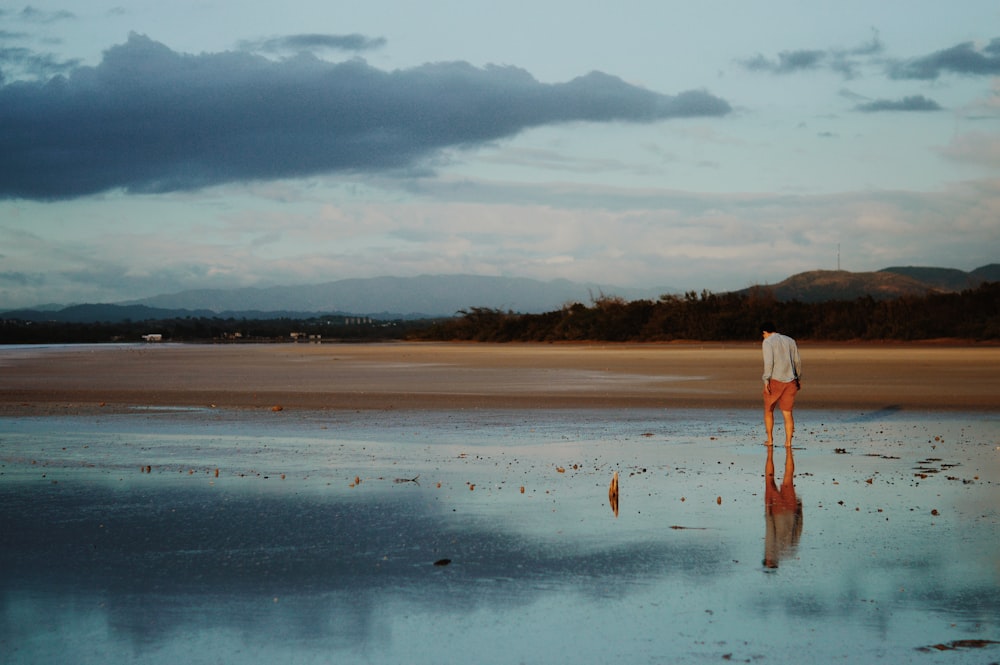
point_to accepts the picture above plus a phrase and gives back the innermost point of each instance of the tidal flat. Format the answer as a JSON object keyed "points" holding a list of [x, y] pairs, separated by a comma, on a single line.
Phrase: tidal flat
{"points": [[186, 534]]}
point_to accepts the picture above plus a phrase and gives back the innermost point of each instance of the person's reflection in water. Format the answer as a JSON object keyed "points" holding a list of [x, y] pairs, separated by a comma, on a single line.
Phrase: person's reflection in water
{"points": [[782, 511]]}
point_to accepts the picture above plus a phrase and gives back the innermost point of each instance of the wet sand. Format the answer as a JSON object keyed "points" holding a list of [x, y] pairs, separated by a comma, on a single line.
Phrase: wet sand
{"points": [[430, 503], [171, 535], [471, 376]]}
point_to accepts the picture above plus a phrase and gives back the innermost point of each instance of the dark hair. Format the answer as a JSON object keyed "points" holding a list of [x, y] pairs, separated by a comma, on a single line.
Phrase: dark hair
{"points": [[768, 326]]}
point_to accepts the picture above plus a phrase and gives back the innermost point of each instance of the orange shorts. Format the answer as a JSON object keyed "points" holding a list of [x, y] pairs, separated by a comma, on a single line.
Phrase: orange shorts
{"points": [[782, 394]]}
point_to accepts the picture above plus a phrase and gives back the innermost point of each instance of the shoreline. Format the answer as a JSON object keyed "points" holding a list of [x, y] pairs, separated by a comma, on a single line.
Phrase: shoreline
{"points": [[941, 376], [422, 487]]}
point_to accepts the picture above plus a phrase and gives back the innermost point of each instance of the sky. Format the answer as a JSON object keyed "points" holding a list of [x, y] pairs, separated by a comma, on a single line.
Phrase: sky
{"points": [[150, 147]]}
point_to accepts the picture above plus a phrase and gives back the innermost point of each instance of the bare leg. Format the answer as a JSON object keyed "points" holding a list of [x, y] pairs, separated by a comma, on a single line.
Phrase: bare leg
{"points": [[769, 425], [789, 427]]}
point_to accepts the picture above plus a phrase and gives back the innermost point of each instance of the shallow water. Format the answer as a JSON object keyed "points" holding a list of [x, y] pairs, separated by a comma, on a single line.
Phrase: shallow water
{"points": [[317, 540]]}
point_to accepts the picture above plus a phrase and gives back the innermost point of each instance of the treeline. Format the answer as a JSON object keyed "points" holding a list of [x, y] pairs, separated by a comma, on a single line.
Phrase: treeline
{"points": [[204, 329], [970, 315]]}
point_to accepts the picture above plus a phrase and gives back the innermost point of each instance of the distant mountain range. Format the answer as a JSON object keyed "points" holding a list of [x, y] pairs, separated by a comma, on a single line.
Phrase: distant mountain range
{"points": [[398, 297], [431, 296], [384, 298]]}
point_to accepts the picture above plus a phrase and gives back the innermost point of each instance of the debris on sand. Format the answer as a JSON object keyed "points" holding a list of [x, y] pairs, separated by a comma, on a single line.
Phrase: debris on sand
{"points": [[958, 644], [407, 480]]}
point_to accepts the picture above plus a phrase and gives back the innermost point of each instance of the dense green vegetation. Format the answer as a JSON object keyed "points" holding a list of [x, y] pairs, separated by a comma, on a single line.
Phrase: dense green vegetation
{"points": [[970, 315]]}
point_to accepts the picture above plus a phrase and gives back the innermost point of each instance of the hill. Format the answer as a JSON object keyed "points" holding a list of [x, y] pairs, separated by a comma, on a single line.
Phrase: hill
{"points": [[949, 279], [440, 296], [988, 273], [886, 284]]}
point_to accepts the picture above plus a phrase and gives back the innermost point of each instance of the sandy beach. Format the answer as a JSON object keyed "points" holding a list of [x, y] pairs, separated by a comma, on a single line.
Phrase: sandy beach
{"points": [[465, 376], [429, 503]]}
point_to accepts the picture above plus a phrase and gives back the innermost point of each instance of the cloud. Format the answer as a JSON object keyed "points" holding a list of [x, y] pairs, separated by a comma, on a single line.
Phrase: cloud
{"points": [[964, 58], [912, 103], [313, 42], [584, 232], [18, 278], [25, 62], [873, 46], [787, 62], [36, 15], [852, 96], [842, 61], [21, 62], [148, 119]]}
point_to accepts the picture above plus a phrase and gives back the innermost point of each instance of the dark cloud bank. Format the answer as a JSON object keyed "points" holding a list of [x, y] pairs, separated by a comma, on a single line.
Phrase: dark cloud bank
{"points": [[148, 119]]}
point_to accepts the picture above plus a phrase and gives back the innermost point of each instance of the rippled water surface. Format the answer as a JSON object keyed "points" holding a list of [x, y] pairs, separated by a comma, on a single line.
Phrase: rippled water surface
{"points": [[196, 536]]}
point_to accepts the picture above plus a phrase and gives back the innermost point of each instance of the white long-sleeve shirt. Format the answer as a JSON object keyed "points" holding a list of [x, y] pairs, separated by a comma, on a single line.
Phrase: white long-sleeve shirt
{"points": [[781, 358]]}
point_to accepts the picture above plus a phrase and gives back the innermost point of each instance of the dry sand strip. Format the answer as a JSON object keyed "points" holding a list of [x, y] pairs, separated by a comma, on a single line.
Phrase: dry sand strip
{"points": [[467, 376]]}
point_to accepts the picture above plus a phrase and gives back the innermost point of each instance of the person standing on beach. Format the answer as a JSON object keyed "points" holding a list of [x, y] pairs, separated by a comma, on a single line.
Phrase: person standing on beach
{"points": [[782, 371]]}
